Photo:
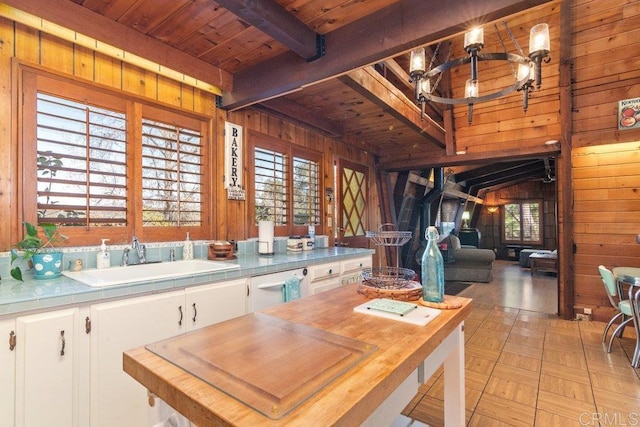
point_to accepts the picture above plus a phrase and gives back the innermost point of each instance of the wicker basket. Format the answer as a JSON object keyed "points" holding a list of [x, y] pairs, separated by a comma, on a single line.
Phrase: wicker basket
{"points": [[388, 277], [411, 292]]}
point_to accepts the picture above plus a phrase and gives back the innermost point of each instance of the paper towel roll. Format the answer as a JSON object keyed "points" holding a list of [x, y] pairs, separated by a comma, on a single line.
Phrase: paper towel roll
{"points": [[265, 237]]}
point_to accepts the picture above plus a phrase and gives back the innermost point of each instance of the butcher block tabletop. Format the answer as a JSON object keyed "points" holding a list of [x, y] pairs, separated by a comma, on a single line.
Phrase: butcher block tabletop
{"points": [[312, 361]]}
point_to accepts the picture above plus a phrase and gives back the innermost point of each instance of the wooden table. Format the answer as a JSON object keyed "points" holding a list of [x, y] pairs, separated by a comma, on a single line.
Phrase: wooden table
{"points": [[543, 262], [362, 395]]}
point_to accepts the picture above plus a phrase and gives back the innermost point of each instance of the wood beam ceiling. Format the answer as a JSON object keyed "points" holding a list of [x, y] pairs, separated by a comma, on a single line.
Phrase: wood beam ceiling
{"points": [[418, 159], [82, 20], [365, 42], [305, 115], [370, 84], [274, 20]]}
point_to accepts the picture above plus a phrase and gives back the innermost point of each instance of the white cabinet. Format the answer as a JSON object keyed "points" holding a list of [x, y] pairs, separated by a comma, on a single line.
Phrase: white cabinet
{"points": [[118, 399], [7, 371], [323, 277], [333, 274], [209, 304], [351, 269], [47, 369]]}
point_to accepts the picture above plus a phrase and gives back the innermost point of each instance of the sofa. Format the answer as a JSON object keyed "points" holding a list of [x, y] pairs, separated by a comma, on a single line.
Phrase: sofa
{"points": [[466, 263]]}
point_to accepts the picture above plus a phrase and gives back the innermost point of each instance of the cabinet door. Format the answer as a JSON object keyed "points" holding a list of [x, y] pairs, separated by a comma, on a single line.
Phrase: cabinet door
{"points": [[215, 303], [116, 398], [47, 369], [324, 271], [7, 372], [323, 285], [352, 269]]}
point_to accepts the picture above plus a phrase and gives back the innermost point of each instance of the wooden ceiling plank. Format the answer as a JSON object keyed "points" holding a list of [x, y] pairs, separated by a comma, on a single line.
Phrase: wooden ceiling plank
{"points": [[82, 20], [365, 42], [303, 114], [381, 92], [274, 20]]}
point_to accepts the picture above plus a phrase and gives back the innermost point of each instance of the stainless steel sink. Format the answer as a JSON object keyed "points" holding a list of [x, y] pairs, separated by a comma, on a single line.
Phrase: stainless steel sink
{"points": [[99, 278]]}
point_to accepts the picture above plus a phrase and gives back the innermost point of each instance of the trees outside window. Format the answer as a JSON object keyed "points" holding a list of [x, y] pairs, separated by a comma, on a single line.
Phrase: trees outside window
{"points": [[97, 162], [522, 223], [286, 183]]}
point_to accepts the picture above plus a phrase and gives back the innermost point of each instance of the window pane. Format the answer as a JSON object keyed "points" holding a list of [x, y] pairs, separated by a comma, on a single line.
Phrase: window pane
{"points": [[171, 175], [512, 221], [530, 222], [271, 186], [81, 163], [306, 194], [523, 223]]}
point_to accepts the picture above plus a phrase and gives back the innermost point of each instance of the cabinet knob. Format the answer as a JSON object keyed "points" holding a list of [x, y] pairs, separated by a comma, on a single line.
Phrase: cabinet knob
{"points": [[195, 312], [12, 340], [181, 315]]}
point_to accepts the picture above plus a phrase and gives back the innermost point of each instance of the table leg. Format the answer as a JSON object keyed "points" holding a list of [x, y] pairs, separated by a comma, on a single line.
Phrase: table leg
{"points": [[454, 391]]}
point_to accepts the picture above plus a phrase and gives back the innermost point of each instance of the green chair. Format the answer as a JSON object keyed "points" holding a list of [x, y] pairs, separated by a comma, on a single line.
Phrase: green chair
{"points": [[623, 306]]}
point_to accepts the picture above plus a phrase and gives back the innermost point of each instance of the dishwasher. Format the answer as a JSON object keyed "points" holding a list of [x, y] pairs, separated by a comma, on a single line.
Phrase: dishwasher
{"points": [[267, 290]]}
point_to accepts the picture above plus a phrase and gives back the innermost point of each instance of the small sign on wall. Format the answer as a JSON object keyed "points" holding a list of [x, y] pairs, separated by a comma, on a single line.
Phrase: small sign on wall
{"points": [[233, 161], [629, 114]]}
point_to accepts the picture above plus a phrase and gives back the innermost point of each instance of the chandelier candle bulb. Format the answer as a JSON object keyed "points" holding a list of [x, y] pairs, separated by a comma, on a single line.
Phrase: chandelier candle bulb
{"points": [[474, 39], [471, 89], [539, 40], [418, 62]]}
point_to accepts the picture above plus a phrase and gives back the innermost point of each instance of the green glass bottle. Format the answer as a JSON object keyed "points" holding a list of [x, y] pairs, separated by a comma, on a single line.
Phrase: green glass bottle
{"points": [[432, 268]]}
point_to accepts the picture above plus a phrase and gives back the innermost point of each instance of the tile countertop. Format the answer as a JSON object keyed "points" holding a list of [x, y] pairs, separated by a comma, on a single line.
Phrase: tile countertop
{"points": [[20, 297]]}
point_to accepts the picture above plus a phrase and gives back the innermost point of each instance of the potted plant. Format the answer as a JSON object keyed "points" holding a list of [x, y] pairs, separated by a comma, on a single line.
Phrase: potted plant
{"points": [[47, 264]]}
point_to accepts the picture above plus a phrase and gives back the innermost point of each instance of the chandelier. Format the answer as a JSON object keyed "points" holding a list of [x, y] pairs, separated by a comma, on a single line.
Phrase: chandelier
{"points": [[529, 69]]}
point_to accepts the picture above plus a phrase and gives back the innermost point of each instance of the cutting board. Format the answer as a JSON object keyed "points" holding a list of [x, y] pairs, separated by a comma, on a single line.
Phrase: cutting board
{"points": [[418, 316], [268, 363]]}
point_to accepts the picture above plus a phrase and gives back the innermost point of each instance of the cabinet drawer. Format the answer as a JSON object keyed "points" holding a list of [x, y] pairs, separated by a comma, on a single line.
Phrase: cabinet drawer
{"points": [[356, 264], [324, 271]]}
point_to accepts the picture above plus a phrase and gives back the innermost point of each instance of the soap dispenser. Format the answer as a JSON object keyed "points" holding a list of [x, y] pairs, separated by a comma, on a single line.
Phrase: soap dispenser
{"points": [[187, 249], [103, 258]]}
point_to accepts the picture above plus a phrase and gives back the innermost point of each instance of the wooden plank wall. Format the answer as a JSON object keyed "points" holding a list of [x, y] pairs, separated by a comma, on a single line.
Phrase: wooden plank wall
{"points": [[605, 160], [19, 42]]}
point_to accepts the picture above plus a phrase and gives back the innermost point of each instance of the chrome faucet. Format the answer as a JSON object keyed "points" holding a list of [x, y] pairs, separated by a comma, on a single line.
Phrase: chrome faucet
{"points": [[140, 249], [125, 257]]}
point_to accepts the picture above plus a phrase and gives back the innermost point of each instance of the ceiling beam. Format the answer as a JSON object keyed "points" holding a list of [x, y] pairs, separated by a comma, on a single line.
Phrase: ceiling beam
{"points": [[370, 84], [430, 159], [275, 21], [82, 20], [303, 114], [384, 34]]}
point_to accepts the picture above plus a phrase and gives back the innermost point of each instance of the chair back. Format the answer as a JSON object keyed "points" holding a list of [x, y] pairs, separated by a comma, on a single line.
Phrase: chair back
{"points": [[609, 284]]}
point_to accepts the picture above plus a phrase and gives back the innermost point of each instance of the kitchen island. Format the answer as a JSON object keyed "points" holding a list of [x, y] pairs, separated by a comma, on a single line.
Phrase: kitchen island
{"points": [[381, 382]]}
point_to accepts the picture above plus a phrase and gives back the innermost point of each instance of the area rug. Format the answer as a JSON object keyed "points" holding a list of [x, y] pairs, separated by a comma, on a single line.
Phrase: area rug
{"points": [[454, 288]]}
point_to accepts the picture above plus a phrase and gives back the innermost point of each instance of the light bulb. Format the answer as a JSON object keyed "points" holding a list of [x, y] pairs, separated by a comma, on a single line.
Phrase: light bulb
{"points": [[539, 39], [417, 62], [471, 89], [474, 39]]}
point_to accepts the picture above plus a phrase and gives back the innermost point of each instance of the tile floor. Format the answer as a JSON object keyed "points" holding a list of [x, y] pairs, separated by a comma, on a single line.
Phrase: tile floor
{"points": [[527, 368]]}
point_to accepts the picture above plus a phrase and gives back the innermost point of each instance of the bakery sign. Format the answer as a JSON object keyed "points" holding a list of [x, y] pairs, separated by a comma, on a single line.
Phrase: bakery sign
{"points": [[629, 114], [233, 161]]}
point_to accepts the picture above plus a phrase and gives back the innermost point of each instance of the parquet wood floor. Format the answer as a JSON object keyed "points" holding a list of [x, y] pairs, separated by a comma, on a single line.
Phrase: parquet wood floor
{"points": [[527, 367]]}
